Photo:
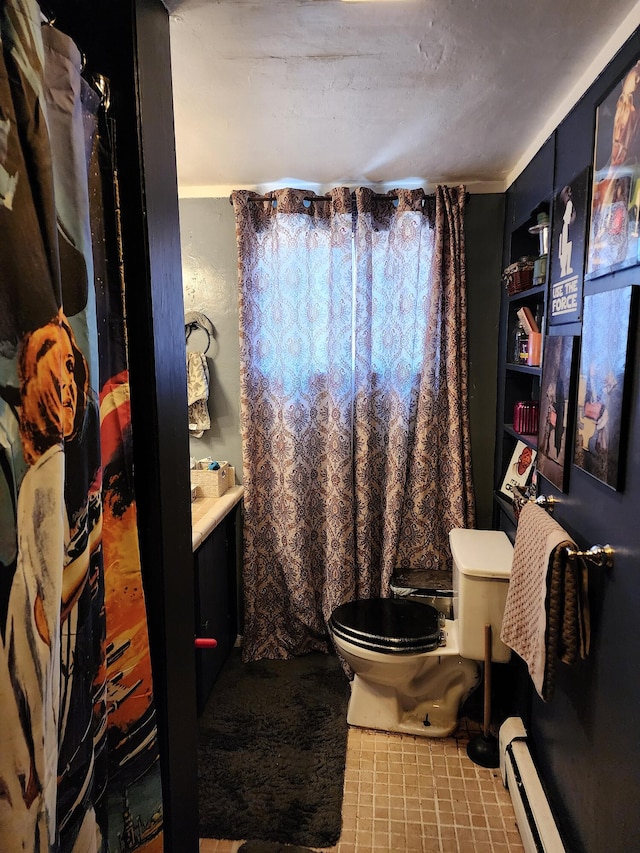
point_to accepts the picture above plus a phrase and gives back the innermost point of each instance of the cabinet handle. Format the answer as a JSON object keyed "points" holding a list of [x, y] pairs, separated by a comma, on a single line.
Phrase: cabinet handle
{"points": [[205, 643]]}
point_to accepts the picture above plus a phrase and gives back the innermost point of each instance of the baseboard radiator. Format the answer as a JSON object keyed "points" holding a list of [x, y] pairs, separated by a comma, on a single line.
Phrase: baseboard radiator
{"points": [[536, 823]]}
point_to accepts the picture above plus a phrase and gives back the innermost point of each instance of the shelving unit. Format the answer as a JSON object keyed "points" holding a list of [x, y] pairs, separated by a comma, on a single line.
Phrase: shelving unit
{"points": [[519, 381]]}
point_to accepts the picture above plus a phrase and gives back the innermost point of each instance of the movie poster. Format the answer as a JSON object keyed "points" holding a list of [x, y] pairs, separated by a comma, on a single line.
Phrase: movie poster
{"points": [[614, 235], [567, 250]]}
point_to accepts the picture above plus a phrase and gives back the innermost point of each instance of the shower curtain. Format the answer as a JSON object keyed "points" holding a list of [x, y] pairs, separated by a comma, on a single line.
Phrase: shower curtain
{"points": [[79, 767], [354, 410]]}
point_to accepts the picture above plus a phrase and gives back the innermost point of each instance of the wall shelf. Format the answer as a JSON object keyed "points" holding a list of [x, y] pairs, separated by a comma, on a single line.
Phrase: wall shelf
{"points": [[524, 368], [530, 294], [518, 381], [529, 440]]}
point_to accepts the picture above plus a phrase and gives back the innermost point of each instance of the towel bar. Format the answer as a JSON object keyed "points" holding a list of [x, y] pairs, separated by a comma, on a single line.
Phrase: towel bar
{"points": [[600, 555], [547, 502]]}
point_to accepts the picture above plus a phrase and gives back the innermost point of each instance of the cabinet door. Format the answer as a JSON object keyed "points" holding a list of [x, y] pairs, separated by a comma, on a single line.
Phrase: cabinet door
{"points": [[213, 610]]}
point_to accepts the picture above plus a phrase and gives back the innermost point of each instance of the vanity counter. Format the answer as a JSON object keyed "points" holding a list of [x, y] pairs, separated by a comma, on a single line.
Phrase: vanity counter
{"points": [[207, 513]]}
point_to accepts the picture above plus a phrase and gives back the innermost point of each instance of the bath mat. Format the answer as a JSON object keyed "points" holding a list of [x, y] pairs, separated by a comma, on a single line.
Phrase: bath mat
{"points": [[272, 743], [270, 847]]}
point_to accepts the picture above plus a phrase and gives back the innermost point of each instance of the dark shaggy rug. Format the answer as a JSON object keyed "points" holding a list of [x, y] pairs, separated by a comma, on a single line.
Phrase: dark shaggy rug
{"points": [[271, 751]]}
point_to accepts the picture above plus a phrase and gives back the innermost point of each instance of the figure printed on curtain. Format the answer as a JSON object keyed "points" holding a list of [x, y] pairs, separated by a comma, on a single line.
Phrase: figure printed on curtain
{"points": [[79, 766]]}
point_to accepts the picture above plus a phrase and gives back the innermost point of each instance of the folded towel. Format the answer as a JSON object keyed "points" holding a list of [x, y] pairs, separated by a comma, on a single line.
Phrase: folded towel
{"points": [[198, 393], [546, 613]]}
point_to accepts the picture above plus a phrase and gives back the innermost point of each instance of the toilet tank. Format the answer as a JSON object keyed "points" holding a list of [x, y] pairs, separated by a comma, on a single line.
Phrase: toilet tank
{"points": [[481, 570]]}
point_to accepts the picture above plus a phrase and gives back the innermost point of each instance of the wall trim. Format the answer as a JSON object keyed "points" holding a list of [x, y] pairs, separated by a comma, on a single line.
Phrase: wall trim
{"points": [[578, 89], [225, 190]]}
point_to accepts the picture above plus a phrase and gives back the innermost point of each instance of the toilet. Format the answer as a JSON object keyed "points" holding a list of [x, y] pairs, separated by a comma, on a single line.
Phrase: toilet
{"points": [[414, 662]]}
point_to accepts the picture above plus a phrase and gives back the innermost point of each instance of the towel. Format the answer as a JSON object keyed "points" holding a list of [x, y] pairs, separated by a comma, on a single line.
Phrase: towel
{"points": [[197, 393], [546, 615]]}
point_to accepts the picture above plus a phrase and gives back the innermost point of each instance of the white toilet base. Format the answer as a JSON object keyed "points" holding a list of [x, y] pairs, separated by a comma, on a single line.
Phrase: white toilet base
{"points": [[386, 708]]}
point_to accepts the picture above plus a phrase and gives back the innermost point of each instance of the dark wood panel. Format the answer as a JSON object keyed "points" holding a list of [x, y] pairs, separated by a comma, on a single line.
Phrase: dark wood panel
{"points": [[215, 571], [128, 41]]}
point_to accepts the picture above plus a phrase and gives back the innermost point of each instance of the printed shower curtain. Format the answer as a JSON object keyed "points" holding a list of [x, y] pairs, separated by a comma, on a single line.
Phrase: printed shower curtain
{"points": [[79, 766], [354, 409]]}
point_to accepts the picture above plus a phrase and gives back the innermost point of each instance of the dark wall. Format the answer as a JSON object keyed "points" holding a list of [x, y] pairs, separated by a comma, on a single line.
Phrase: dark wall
{"points": [[585, 738], [484, 221]]}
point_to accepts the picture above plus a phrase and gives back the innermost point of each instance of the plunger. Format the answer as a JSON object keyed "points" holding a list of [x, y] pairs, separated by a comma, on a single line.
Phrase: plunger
{"points": [[483, 749]]}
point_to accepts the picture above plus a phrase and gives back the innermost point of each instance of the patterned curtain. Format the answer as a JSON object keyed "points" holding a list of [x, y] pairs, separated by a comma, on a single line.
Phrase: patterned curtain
{"points": [[439, 494], [353, 401], [79, 766]]}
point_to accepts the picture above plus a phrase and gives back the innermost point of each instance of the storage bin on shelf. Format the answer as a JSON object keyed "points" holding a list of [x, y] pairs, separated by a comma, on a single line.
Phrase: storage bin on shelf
{"points": [[213, 484], [519, 275], [525, 417]]}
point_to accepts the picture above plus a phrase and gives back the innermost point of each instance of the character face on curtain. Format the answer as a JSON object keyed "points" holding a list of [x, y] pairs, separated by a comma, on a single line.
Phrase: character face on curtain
{"points": [[53, 387]]}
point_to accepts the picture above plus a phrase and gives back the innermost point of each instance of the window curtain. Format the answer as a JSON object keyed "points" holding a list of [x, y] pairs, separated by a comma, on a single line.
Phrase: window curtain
{"points": [[353, 401], [79, 766]]}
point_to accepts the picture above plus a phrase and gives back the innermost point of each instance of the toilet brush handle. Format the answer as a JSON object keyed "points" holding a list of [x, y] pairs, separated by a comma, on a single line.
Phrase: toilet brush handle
{"points": [[487, 680]]}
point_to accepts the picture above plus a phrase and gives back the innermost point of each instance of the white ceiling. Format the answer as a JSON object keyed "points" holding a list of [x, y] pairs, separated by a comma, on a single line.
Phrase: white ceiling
{"points": [[320, 93]]}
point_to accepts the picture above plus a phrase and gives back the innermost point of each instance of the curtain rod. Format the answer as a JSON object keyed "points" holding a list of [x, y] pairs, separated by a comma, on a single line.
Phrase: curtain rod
{"points": [[328, 197]]}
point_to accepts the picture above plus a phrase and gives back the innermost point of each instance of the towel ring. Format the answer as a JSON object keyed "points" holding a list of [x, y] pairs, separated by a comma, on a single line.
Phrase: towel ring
{"points": [[197, 320]]}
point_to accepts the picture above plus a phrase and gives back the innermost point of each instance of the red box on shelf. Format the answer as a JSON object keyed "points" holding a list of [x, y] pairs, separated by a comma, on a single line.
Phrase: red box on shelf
{"points": [[525, 417]]}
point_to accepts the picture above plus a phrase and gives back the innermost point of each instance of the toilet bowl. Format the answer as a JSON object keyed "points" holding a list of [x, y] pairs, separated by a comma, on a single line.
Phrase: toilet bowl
{"points": [[414, 667]]}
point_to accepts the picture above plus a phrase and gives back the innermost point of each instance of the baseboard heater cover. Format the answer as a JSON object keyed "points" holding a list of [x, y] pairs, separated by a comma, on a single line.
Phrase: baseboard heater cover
{"points": [[536, 823]]}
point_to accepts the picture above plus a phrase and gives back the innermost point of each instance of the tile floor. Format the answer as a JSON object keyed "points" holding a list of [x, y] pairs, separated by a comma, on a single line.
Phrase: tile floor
{"points": [[419, 795]]}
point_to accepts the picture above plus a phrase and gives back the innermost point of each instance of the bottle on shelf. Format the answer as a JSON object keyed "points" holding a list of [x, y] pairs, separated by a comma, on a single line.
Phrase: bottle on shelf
{"points": [[520, 350]]}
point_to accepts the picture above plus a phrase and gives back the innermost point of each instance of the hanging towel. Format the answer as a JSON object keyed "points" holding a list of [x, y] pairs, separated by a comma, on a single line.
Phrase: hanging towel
{"points": [[198, 393], [546, 615]]}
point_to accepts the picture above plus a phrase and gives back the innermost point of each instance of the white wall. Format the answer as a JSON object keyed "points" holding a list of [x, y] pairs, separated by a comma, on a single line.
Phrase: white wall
{"points": [[209, 275]]}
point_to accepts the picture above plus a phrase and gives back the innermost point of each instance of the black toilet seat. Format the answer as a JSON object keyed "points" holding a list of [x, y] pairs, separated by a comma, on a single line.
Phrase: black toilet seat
{"points": [[391, 625]]}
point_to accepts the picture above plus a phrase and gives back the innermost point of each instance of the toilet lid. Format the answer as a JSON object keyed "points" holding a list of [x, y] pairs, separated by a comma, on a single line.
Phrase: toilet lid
{"points": [[391, 625], [421, 583]]}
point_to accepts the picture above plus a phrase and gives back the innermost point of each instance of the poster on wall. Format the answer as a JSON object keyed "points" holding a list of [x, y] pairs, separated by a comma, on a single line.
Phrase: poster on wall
{"points": [[606, 360], [614, 235], [556, 395], [567, 250], [519, 471]]}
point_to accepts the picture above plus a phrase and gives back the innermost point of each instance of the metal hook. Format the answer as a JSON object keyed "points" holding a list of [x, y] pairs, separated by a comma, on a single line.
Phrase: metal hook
{"points": [[48, 17], [103, 86]]}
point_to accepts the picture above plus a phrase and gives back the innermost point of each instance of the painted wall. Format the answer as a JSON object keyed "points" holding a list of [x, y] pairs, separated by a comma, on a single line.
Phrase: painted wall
{"points": [[484, 221], [585, 739], [209, 280], [209, 271]]}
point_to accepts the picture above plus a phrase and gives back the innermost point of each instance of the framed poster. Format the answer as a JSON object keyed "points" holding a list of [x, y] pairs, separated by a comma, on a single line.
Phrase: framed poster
{"points": [[518, 471], [570, 207], [556, 395], [614, 235], [606, 359]]}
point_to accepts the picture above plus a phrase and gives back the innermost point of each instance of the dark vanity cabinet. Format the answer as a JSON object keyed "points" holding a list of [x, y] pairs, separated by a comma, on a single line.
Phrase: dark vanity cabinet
{"points": [[215, 602]]}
